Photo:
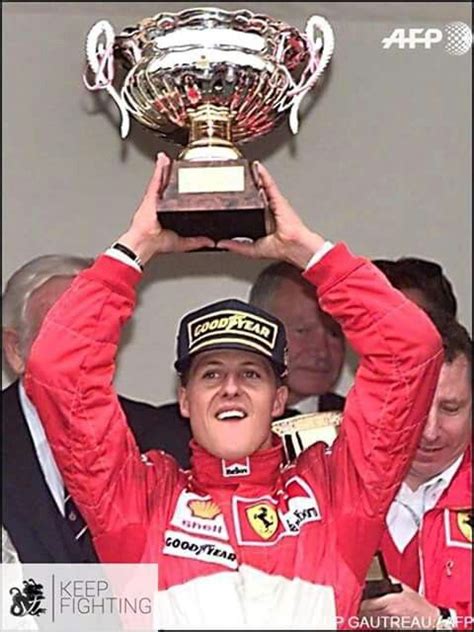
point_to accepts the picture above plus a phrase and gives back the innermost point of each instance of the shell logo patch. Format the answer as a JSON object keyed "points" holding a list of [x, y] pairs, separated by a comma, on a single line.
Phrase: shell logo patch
{"points": [[199, 515], [458, 527], [263, 519], [206, 509]]}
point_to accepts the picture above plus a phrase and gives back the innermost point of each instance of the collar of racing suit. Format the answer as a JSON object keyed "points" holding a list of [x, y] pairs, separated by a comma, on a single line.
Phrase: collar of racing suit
{"points": [[459, 493], [261, 468]]}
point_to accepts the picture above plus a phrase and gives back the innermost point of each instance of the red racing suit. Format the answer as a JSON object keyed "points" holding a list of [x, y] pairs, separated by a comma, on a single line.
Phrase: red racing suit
{"points": [[439, 558], [253, 544]]}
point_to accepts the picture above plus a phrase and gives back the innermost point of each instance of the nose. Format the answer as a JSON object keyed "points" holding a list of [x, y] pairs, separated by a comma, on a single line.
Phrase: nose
{"points": [[230, 386], [430, 431], [317, 343]]}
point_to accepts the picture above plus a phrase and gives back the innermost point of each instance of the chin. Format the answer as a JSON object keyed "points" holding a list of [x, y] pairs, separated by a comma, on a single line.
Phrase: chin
{"points": [[233, 450], [230, 453]]}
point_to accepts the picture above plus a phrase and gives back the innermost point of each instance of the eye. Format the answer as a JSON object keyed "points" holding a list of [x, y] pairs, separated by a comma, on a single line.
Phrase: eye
{"points": [[300, 331], [252, 374], [450, 409], [210, 374]]}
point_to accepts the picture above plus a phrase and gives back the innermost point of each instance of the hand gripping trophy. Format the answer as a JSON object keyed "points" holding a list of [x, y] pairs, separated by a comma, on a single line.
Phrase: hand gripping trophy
{"points": [[209, 80]]}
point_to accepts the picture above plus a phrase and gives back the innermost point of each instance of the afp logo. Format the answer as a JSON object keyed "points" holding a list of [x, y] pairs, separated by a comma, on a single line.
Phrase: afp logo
{"points": [[456, 36]]}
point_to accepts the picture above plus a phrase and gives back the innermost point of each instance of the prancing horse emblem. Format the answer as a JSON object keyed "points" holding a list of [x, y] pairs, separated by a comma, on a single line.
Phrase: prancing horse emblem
{"points": [[465, 520], [263, 519]]}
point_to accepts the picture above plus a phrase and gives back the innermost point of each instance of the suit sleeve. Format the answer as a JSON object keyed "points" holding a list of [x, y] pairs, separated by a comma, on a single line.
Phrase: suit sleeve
{"points": [[69, 379], [400, 358]]}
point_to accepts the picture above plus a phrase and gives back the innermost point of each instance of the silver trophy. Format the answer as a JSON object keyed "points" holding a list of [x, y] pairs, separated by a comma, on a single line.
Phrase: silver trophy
{"points": [[210, 80]]}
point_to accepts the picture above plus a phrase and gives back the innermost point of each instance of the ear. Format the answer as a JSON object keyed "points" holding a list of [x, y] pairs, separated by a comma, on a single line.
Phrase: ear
{"points": [[11, 350], [279, 404], [183, 402]]}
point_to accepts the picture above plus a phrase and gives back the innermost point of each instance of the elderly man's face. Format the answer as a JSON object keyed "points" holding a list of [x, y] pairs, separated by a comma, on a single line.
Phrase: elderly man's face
{"points": [[448, 429], [315, 341], [231, 397], [17, 344], [41, 302]]}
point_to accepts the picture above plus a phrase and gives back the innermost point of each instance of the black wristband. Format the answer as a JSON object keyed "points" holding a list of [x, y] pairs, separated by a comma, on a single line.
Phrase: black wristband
{"points": [[129, 253]]}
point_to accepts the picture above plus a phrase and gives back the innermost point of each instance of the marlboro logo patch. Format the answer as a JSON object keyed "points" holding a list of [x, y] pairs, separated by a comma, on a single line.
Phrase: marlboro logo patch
{"points": [[458, 527]]}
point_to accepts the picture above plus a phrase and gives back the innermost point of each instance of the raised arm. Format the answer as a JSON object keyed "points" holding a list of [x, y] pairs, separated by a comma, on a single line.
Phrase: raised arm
{"points": [[400, 357], [69, 378]]}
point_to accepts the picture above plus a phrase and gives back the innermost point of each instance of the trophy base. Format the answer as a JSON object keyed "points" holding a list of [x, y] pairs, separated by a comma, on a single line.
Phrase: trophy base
{"points": [[218, 199], [378, 582], [380, 588]]}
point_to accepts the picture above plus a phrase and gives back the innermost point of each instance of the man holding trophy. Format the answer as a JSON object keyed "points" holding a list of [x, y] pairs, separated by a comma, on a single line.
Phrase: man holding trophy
{"points": [[241, 539]]}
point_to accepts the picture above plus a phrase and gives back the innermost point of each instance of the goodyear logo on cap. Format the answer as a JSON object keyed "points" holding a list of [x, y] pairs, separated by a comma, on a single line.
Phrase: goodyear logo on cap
{"points": [[231, 326]]}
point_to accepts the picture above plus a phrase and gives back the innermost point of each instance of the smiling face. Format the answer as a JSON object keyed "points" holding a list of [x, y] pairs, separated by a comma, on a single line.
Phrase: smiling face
{"points": [[315, 341], [230, 398], [448, 429]]}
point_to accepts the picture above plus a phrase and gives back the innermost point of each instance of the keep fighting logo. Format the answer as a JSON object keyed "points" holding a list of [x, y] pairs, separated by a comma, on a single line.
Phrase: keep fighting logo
{"points": [[27, 601], [456, 36]]}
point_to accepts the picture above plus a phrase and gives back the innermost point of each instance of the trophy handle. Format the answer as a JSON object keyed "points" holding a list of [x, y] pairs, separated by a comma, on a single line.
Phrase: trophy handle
{"points": [[100, 57], [321, 51]]}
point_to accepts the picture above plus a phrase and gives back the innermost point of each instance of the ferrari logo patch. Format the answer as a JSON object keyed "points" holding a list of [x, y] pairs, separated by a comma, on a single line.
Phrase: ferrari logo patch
{"points": [[263, 519], [465, 520], [458, 527]]}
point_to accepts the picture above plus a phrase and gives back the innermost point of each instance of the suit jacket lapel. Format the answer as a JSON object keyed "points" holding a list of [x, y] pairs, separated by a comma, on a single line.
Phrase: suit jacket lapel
{"points": [[29, 507]]}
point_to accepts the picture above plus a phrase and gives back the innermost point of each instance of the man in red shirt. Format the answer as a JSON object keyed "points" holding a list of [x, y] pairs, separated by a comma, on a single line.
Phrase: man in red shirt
{"points": [[428, 541], [241, 540]]}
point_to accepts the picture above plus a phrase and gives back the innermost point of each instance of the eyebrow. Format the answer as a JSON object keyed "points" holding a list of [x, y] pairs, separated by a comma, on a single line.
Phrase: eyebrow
{"points": [[217, 363]]}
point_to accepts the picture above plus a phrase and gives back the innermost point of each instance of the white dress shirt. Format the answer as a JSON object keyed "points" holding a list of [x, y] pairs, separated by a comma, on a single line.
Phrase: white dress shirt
{"points": [[307, 405], [406, 512], [43, 450]]}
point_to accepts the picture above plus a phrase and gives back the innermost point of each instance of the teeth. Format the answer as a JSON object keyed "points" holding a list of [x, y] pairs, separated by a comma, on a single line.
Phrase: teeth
{"points": [[230, 414]]}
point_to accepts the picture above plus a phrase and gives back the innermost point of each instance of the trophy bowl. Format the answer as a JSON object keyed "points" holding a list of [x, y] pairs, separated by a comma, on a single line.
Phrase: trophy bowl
{"points": [[210, 80]]}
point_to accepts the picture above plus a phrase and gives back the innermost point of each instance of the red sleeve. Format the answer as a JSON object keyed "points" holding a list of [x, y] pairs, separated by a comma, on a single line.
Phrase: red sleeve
{"points": [[400, 358], [69, 379]]}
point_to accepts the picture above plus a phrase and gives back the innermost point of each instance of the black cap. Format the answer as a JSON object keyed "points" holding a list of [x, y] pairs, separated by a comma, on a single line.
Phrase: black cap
{"points": [[232, 324]]}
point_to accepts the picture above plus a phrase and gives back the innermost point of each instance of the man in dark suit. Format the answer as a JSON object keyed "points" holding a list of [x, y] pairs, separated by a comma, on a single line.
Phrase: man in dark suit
{"points": [[38, 513]]}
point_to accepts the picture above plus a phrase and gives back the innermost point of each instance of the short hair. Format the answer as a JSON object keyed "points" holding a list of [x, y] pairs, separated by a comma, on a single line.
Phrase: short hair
{"points": [[455, 337], [31, 276], [424, 275], [269, 280]]}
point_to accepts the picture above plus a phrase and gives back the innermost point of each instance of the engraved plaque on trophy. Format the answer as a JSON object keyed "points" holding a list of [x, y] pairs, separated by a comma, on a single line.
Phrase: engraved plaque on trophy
{"points": [[210, 80]]}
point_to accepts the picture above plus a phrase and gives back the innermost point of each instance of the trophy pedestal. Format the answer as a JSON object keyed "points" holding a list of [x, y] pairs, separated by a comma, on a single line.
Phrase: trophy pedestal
{"points": [[378, 582], [218, 199]]}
